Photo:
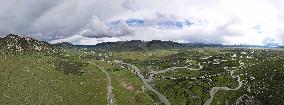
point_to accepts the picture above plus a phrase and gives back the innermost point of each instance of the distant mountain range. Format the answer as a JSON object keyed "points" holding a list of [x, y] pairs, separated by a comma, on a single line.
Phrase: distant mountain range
{"points": [[23, 44], [137, 45]]}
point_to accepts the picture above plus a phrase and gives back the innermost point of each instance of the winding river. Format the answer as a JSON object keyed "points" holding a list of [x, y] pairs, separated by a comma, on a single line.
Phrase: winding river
{"points": [[163, 98], [151, 77], [214, 90], [146, 82]]}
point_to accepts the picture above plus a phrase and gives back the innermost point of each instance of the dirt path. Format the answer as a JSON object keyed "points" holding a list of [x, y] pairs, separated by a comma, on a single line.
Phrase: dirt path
{"points": [[109, 88]]}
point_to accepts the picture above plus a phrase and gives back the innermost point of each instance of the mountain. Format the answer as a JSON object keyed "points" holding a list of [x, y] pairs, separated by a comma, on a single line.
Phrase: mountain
{"points": [[158, 44], [23, 44], [64, 45], [138, 45], [196, 45]]}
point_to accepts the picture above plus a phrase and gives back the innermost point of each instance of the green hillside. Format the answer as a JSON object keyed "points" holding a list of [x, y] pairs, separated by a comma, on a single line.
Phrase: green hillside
{"points": [[67, 77]]}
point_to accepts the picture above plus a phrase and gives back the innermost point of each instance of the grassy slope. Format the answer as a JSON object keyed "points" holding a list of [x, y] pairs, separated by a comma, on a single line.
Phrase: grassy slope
{"points": [[32, 80]]}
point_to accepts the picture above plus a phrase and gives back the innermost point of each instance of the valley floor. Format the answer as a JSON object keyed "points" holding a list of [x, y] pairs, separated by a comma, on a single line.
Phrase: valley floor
{"points": [[180, 76]]}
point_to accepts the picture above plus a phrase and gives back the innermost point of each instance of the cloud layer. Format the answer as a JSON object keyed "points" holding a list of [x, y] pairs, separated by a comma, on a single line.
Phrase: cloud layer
{"points": [[94, 21]]}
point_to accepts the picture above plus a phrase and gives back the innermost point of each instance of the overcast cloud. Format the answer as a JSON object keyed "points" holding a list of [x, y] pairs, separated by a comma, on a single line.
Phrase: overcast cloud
{"points": [[94, 21]]}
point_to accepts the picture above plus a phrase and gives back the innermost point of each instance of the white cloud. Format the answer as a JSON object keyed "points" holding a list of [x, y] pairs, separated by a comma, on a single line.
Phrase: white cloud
{"points": [[88, 21]]}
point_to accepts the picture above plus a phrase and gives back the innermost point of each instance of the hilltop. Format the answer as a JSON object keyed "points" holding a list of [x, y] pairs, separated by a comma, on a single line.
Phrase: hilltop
{"points": [[23, 44]]}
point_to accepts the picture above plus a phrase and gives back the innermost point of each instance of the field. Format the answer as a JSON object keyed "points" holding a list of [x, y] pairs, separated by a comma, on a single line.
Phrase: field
{"points": [[191, 76]]}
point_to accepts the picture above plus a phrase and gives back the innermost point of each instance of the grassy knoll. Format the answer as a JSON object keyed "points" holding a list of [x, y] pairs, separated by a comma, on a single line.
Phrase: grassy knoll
{"points": [[33, 79]]}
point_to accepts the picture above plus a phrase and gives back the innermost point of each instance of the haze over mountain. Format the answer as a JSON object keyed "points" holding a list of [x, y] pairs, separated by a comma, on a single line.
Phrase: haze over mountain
{"points": [[90, 22]]}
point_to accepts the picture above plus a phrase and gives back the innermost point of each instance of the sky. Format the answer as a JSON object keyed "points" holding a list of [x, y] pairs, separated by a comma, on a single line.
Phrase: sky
{"points": [[88, 22]]}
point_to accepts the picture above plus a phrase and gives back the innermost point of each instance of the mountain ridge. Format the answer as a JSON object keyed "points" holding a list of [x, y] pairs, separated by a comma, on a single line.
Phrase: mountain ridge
{"points": [[24, 44], [138, 45]]}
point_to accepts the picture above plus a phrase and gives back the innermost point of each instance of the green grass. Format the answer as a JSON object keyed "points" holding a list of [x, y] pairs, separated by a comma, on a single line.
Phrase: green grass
{"points": [[32, 79], [127, 87]]}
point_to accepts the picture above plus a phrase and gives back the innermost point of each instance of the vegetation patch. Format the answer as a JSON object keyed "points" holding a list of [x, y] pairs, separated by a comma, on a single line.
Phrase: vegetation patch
{"points": [[70, 67]]}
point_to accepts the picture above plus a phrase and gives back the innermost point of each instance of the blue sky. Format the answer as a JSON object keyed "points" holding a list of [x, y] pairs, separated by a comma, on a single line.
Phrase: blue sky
{"points": [[94, 21]]}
